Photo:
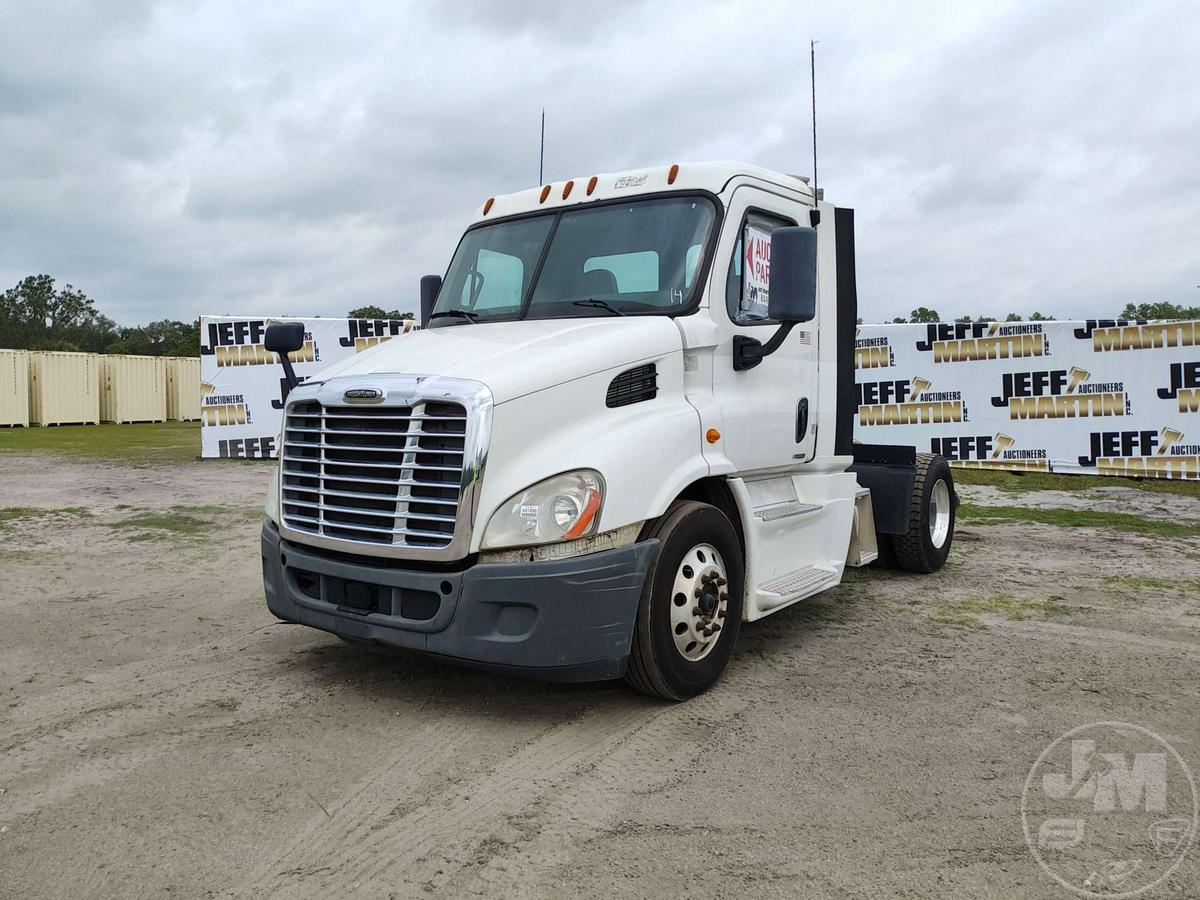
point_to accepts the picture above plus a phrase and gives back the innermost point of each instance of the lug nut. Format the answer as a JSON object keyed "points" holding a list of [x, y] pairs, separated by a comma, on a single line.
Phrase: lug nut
{"points": [[721, 614], [695, 610], [716, 626], [721, 582]]}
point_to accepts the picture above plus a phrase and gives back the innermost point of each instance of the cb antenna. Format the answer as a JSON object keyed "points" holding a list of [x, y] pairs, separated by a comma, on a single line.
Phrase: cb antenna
{"points": [[542, 149], [812, 68]]}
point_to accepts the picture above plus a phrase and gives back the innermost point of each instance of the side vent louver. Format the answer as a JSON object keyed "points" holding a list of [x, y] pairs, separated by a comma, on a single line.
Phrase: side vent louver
{"points": [[633, 386]]}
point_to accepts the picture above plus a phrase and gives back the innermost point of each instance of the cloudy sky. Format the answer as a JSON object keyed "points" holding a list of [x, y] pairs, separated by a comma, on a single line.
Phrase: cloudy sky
{"points": [[176, 158]]}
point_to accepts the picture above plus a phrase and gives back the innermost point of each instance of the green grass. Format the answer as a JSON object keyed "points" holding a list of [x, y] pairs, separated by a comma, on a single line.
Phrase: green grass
{"points": [[970, 514], [1019, 482], [1152, 583], [967, 612], [866, 574], [160, 443], [182, 522], [20, 515]]}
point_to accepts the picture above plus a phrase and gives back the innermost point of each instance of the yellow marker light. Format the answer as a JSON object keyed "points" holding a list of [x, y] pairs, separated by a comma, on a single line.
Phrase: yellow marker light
{"points": [[545, 194], [592, 184], [712, 435], [487, 207], [673, 174], [567, 189], [591, 506]]}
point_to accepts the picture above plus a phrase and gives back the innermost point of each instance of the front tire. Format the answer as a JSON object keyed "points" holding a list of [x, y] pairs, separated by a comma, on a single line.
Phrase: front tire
{"points": [[931, 508], [680, 648]]}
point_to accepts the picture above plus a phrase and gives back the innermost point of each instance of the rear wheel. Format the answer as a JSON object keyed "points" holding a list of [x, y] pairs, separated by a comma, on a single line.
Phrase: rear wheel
{"points": [[931, 507], [691, 607]]}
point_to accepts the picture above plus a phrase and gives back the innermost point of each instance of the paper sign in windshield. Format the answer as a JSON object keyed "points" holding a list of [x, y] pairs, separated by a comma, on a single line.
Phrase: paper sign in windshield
{"points": [[756, 271]]}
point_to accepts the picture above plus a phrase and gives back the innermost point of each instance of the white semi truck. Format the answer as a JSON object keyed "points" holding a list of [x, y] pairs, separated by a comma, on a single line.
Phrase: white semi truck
{"points": [[624, 431]]}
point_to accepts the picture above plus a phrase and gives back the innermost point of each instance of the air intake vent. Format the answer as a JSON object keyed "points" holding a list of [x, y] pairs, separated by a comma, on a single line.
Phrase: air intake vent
{"points": [[633, 386]]}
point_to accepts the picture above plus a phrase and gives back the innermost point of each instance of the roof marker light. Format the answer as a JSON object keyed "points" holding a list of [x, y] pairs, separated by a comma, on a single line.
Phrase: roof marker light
{"points": [[545, 194], [673, 174], [567, 189], [487, 207], [592, 185]]}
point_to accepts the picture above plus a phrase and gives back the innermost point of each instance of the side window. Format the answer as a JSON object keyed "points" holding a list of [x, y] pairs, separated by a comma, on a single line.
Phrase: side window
{"points": [[497, 281], [632, 273], [749, 270]]}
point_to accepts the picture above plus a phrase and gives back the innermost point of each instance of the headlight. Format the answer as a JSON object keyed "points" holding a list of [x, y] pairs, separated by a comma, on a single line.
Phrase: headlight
{"points": [[561, 508]]}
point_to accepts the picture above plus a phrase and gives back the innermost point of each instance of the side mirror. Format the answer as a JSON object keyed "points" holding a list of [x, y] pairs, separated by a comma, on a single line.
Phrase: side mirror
{"points": [[284, 338], [793, 289], [430, 285]]}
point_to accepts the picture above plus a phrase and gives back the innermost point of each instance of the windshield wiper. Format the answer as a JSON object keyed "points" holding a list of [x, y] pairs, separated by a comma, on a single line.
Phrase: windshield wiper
{"points": [[456, 314], [598, 304]]}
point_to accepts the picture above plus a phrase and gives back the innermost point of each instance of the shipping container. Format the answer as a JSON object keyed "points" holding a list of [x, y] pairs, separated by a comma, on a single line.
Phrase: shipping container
{"points": [[64, 388], [133, 388], [183, 388], [14, 387]]}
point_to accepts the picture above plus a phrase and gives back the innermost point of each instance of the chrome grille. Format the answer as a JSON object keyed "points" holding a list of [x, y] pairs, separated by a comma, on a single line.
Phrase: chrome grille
{"points": [[381, 475]]}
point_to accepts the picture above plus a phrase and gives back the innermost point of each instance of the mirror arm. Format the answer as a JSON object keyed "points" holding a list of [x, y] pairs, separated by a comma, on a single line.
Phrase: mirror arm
{"points": [[748, 352], [288, 372]]}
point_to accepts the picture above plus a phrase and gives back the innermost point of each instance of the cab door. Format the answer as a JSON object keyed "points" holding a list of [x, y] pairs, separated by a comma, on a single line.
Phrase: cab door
{"points": [[768, 411]]}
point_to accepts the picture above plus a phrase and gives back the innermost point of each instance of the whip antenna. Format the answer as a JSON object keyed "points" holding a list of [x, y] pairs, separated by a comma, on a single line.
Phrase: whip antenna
{"points": [[812, 69]]}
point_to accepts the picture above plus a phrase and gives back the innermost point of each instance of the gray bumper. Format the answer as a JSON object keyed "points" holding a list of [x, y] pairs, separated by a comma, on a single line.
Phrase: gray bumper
{"points": [[569, 620]]}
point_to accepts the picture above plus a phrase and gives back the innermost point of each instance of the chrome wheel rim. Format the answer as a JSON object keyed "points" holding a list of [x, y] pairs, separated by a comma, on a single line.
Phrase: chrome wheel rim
{"points": [[699, 602], [939, 513]]}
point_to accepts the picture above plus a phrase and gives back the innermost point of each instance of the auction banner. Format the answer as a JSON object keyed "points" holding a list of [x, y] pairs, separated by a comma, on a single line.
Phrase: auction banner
{"points": [[242, 384], [1095, 397]]}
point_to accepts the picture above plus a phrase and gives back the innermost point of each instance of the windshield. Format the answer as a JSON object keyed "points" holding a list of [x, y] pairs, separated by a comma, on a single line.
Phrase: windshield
{"points": [[631, 258]]}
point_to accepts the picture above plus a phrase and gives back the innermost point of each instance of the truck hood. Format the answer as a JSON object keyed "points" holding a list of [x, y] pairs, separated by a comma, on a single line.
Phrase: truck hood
{"points": [[517, 358]]}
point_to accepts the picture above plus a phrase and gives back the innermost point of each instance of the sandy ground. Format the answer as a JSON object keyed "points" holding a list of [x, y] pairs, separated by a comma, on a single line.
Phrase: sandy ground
{"points": [[161, 735]]}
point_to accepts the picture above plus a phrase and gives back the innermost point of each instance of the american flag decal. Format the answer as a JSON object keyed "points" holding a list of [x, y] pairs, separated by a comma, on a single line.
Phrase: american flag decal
{"points": [[806, 337]]}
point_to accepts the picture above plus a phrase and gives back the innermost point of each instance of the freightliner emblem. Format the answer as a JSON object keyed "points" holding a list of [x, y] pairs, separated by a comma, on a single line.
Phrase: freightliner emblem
{"points": [[363, 395]]}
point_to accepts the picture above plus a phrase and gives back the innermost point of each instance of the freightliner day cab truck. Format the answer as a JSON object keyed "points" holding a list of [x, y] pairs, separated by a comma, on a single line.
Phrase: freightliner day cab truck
{"points": [[624, 431]]}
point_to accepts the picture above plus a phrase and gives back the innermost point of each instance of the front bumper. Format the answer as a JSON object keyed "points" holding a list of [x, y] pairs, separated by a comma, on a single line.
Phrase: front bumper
{"points": [[566, 620]]}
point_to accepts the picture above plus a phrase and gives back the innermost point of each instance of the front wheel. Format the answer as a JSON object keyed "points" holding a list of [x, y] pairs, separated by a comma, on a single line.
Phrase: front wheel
{"points": [[691, 607], [931, 508]]}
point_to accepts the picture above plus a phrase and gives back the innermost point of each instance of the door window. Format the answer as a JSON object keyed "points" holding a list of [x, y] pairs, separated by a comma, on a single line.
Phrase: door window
{"points": [[749, 270]]}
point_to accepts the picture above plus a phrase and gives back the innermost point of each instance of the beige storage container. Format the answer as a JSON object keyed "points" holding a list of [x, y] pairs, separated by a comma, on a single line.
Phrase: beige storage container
{"points": [[14, 387], [133, 388], [64, 388], [183, 387]]}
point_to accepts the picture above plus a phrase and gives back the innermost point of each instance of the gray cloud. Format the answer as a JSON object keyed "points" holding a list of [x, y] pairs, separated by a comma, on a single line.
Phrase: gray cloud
{"points": [[174, 158]]}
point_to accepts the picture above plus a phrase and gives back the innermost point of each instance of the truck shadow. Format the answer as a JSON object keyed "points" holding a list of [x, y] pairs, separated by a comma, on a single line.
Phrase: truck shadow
{"points": [[404, 677]]}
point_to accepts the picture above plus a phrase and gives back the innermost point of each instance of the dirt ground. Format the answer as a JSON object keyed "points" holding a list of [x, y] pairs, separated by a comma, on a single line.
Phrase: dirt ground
{"points": [[162, 735]]}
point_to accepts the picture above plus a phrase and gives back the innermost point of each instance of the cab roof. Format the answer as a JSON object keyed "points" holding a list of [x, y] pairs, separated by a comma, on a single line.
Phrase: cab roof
{"points": [[706, 176]]}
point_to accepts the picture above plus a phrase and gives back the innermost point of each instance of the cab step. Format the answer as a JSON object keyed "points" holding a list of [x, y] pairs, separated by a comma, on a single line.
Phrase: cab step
{"points": [[787, 510], [795, 585]]}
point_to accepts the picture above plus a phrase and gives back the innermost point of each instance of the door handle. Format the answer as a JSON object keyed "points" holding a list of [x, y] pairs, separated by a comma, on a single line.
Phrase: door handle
{"points": [[801, 419]]}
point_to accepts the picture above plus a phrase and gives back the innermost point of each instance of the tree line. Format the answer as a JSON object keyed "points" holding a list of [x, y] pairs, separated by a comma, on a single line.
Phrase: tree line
{"points": [[1158, 310], [38, 314], [35, 314]]}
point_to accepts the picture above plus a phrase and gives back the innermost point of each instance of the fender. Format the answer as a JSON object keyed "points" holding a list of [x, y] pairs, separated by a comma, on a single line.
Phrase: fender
{"points": [[647, 452]]}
